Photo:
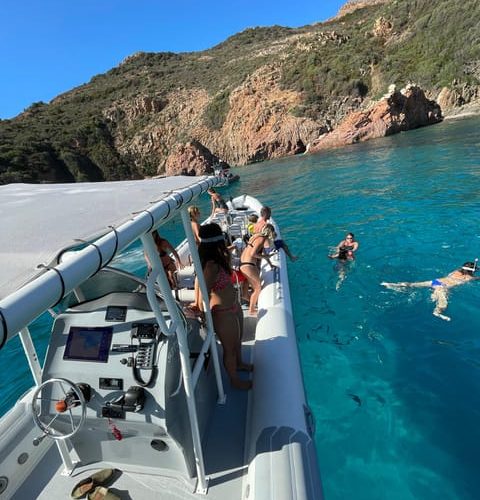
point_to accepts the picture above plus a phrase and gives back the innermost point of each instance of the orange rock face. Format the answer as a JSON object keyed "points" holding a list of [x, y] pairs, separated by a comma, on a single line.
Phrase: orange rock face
{"points": [[397, 112], [259, 125], [191, 158]]}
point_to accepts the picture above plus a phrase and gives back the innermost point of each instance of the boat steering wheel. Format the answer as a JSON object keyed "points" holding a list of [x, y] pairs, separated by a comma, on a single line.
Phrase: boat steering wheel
{"points": [[73, 398]]}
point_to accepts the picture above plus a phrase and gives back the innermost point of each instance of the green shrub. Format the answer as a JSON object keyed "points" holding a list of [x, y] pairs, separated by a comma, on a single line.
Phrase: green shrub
{"points": [[217, 110]]}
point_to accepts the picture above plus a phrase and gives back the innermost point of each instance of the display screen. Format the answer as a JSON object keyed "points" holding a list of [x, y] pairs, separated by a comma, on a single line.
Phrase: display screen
{"points": [[116, 313], [88, 343]]}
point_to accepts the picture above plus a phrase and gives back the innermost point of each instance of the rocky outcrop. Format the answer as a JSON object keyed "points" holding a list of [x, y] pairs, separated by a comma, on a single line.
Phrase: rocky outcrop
{"points": [[169, 122], [353, 5], [395, 112], [382, 28], [191, 158], [259, 124], [459, 98]]}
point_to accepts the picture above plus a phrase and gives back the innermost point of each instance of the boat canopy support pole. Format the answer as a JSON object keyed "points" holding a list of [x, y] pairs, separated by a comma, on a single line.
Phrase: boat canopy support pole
{"points": [[152, 300], [206, 303], [31, 355], [157, 267], [68, 463]]}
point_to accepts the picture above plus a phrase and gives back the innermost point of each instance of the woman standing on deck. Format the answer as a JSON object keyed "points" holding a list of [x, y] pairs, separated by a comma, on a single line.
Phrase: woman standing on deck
{"points": [[253, 253], [226, 311], [219, 206], [194, 213], [164, 248]]}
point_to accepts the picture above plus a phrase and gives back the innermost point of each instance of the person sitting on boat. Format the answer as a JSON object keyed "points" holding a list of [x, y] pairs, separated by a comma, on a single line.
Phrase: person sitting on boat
{"points": [[219, 205], [164, 248], [194, 213], [441, 286], [252, 220], [226, 311], [346, 249], [250, 258]]}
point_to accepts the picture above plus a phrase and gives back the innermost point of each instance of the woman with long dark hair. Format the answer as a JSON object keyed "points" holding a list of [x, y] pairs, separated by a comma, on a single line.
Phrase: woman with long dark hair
{"points": [[226, 311]]}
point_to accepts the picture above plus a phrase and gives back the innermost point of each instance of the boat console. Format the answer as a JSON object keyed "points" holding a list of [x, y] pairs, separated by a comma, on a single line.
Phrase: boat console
{"points": [[131, 407]]}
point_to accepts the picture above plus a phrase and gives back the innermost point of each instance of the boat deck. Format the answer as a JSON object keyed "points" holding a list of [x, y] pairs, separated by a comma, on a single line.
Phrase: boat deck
{"points": [[224, 455]]}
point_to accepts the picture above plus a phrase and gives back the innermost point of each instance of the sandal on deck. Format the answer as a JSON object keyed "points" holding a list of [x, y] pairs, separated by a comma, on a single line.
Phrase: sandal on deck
{"points": [[101, 493], [88, 484]]}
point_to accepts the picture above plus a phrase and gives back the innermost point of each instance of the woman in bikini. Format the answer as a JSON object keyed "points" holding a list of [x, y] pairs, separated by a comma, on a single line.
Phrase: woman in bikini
{"points": [[226, 311], [218, 203], [194, 213], [441, 286], [253, 253], [164, 249]]}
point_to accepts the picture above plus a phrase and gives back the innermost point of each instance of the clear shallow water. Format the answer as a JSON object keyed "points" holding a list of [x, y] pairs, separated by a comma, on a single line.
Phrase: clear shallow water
{"points": [[395, 391]]}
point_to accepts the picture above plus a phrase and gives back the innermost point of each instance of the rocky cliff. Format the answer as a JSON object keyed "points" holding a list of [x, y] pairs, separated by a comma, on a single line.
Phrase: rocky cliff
{"points": [[395, 112], [264, 93]]}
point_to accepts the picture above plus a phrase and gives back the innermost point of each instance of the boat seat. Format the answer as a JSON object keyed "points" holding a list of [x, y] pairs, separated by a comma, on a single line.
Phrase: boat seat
{"points": [[240, 220], [184, 295], [186, 277], [235, 231]]}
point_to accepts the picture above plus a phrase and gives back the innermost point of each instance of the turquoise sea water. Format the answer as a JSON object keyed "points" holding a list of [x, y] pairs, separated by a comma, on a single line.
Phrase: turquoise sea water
{"points": [[395, 391]]}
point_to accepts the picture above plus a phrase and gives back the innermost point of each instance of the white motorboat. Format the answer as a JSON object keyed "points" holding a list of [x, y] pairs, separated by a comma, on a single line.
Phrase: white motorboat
{"points": [[224, 172], [129, 382]]}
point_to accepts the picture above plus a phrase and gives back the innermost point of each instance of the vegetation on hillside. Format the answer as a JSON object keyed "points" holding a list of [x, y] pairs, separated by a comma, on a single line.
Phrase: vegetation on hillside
{"points": [[431, 42]]}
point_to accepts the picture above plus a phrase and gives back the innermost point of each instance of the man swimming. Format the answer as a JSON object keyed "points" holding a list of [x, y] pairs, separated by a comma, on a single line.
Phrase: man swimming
{"points": [[441, 286]]}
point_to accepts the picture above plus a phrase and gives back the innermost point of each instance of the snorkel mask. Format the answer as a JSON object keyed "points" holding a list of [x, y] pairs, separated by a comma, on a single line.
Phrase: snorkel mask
{"points": [[471, 269]]}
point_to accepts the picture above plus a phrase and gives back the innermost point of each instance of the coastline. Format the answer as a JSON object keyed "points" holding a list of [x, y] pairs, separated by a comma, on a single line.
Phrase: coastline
{"points": [[464, 112]]}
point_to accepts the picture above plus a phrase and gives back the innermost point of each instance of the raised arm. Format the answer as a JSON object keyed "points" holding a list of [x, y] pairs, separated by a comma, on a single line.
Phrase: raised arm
{"points": [[213, 206], [196, 232], [172, 250]]}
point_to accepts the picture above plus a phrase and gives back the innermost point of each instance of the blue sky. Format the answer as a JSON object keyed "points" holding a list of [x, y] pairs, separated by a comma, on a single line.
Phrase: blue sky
{"points": [[50, 46]]}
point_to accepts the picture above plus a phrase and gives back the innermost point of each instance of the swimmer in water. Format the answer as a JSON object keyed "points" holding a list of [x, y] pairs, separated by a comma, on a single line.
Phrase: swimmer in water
{"points": [[346, 248], [441, 286], [344, 252]]}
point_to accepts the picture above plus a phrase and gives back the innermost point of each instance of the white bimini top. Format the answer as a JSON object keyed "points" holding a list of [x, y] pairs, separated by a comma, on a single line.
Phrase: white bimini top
{"points": [[39, 220]]}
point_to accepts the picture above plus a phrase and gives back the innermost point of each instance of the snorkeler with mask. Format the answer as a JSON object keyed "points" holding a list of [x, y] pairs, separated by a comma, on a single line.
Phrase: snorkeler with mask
{"points": [[441, 286]]}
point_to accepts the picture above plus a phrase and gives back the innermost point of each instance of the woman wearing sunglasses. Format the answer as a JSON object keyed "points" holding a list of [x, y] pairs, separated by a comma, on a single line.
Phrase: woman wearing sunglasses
{"points": [[346, 248]]}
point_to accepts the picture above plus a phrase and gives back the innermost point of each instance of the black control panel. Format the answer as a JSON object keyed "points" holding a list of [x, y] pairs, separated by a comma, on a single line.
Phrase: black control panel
{"points": [[110, 383], [109, 412], [116, 313], [146, 331]]}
